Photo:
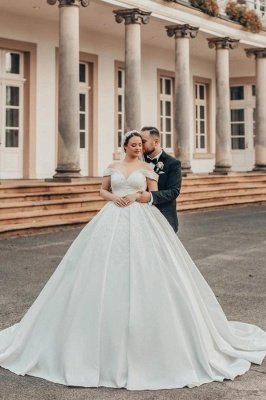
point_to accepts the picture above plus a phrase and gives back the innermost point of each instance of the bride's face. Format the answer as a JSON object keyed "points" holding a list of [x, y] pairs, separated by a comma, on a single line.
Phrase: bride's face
{"points": [[134, 147]]}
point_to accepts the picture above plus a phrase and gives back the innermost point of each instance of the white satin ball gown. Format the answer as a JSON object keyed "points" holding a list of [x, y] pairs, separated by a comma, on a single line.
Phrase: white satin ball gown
{"points": [[127, 308]]}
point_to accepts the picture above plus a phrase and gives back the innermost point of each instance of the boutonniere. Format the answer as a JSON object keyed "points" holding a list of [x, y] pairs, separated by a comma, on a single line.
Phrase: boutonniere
{"points": [[159, 167]]}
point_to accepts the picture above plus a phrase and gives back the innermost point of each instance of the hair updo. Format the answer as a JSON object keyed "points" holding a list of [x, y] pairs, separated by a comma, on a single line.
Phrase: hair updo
{"points": [[129, 135]]}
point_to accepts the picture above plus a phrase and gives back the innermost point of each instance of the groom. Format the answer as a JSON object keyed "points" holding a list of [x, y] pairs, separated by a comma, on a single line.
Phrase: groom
{"points": [[169, 170]]}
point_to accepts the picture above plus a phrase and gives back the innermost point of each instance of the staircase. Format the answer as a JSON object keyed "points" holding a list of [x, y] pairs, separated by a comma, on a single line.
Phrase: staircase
{"points": [[27, 207]]}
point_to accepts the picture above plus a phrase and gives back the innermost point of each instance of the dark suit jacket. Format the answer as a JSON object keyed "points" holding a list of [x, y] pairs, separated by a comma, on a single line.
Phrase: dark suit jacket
{"points": [[169, 186]]}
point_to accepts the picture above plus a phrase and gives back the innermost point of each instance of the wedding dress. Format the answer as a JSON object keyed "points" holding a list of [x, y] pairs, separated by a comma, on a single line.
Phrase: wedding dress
{"points": [[127, 308]]}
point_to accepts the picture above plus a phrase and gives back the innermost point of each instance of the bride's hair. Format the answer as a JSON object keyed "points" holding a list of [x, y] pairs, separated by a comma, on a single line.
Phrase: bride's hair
{"points": [[128, 135]]}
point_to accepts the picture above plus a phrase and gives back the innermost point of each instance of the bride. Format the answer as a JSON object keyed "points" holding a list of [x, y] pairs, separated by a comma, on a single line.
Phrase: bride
{"points": [[127, 307]]}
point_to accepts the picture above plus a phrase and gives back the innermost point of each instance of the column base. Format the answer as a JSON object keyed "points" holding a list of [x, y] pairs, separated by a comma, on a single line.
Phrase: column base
{"points": [[259, 168], [70, 180], [185, 171], [223, 170]]}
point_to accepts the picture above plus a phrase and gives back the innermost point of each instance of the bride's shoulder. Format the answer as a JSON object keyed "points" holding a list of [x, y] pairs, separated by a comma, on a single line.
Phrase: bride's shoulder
{"points": [[146, 166]]}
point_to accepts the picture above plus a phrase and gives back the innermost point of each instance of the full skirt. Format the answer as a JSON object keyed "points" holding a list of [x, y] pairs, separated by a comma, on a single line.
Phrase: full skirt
{"points": [[127, 308]]}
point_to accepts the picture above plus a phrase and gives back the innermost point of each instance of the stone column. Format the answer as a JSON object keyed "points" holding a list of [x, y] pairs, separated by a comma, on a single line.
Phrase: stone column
{"points": [[133, 19], [260, 132], [68, 116], [184, 104], [223, 154]]}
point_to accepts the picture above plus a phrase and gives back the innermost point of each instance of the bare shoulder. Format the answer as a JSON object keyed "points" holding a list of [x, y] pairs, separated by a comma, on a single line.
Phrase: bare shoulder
{"points": [[114, 164], [146, 166]]}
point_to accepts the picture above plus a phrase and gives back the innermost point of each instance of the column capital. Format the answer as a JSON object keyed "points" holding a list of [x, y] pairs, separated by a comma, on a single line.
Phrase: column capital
{"points": [[132, 16], [182, 31], [258, 52], [69, 3], [222, 43]]}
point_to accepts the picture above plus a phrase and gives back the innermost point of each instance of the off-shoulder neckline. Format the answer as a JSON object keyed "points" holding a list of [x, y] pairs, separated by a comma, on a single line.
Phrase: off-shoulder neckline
{"points": [[135, 170]]}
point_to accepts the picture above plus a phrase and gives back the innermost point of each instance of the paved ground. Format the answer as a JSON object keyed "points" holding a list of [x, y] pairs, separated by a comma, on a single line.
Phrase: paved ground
{"points": [[229, 249]]}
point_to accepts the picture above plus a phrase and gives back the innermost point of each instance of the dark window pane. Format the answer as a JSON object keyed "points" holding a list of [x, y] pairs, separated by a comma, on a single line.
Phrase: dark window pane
{"points": [[12, 63], [202, 126], [161, 85], [12, 117], [196, 126], [197, 142], [168, 125], [196, 91], [254, 114], [161, 124], [119, 103], [167, 86], [201, 92], [162, 141], [202, 142], [120, 78], [82, 140], [161, 107], [202, 112], [253, 90], [120, 121], [196, 111], [237, 92], [82, 72], [82, 102], [82, 121], [168, 108], [11, 138], [237, 129], [168, 141], [237, 115], [119, 138], [12, 96], [238, 143]]}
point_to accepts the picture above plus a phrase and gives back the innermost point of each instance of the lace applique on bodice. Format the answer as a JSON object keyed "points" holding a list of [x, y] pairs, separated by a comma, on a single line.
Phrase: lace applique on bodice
{"points": [[135, 181]]}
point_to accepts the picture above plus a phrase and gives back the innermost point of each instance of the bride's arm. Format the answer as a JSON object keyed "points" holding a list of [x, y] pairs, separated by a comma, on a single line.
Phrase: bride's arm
{"points": [[145, 197], [107, 195]]}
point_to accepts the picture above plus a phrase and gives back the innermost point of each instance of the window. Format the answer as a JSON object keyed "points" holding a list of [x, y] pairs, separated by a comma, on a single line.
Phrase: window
{"points": [[238, 128], [201, 126], [166, 112], [242, 115], [237, 93], [11, 106], [83, 104], [120, 105]]}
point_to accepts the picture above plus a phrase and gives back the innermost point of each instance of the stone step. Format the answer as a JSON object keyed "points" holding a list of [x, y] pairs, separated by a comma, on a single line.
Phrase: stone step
{"points": [[223, 180], [58, 204], [42, 196], [220, 193], [51, 188], [218, 203], [45, 215]]}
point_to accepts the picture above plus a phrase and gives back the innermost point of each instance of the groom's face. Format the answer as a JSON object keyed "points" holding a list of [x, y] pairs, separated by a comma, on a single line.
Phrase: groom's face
{"points": [[148, 142]]}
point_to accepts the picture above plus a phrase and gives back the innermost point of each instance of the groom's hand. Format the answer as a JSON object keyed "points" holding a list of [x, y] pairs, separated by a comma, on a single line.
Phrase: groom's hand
{"points": [[144, 197]]}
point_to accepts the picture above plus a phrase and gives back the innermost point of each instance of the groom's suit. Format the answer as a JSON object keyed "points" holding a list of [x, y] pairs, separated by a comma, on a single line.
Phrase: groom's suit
{"points": [[169, 186]]}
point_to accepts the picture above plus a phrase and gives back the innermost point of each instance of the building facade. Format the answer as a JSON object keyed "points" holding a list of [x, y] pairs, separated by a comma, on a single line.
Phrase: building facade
{"points": [[96, 70]]}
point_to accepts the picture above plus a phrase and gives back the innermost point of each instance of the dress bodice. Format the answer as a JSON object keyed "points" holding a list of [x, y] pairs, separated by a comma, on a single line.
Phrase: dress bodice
{"points": [[135, 181]]}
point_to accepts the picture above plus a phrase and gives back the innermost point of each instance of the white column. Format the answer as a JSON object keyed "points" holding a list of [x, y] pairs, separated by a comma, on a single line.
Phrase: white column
{"points": [[260, 132], [183, 131], [133, 19], [68, 116], [223, 154]]}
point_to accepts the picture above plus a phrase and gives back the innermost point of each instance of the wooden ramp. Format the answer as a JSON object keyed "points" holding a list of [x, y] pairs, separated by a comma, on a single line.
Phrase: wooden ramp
{"points": [[30, 206]]}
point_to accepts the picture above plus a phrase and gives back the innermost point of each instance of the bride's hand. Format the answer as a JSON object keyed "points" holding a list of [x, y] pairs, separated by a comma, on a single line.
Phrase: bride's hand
{"points": [[130, 198], [120, 201]]}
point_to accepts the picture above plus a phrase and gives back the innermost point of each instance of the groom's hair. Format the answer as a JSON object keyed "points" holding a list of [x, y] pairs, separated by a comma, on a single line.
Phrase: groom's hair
{"points": [[153, 131]]}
